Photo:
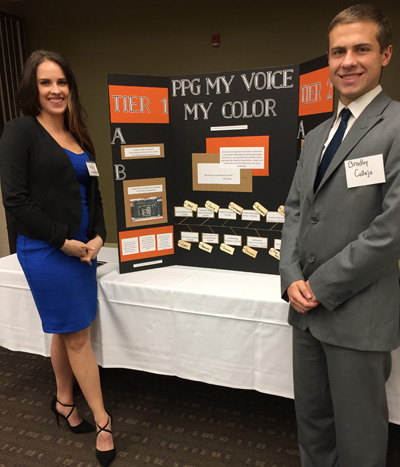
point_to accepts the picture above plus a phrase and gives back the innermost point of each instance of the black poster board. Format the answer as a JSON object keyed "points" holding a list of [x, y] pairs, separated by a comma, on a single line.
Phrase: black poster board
{"points": [[203, 163]]}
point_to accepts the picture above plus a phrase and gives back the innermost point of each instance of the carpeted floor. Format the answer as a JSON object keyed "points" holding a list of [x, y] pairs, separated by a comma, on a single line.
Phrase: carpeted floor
{"points": [[157, 421]]}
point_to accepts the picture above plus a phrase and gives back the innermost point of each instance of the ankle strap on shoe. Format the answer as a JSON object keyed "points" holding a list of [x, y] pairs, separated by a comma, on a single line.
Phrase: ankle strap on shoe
{"points": [[67, 405], [104, 428]]}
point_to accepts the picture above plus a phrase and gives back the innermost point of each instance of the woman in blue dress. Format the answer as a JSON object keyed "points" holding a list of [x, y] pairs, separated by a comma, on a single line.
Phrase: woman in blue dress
{"points": [[50, 189]]}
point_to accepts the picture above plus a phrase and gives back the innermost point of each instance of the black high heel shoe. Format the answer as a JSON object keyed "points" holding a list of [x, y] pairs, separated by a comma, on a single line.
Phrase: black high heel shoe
{"points": [[83, 427], [105, 457]]}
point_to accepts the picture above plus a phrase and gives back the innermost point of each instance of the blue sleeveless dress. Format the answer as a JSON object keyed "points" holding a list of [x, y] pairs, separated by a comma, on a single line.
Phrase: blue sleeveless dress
{"points": [[64, 288]]}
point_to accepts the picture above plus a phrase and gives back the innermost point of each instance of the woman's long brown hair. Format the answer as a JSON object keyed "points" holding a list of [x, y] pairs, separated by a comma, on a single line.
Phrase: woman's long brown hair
{"points": [[28, 96]]}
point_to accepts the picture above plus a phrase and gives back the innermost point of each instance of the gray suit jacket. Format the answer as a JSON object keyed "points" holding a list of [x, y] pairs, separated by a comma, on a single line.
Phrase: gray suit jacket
{"points": [[346, 241]]}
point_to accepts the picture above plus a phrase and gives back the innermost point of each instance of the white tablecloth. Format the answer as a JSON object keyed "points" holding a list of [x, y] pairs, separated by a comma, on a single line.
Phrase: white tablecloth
{"points": [[220, 327]]}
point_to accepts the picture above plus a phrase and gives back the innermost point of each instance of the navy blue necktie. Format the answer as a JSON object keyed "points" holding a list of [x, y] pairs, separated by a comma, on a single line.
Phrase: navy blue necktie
{"points": [[332, 148]]}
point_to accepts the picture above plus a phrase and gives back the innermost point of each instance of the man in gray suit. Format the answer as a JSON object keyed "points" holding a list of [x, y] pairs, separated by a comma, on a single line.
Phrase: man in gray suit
{"points": [[340, 251]]}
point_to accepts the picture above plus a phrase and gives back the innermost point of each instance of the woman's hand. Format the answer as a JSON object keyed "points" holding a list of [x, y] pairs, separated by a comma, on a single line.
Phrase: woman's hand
{"points": [[74, 248], [92, 249], [85, 251]]}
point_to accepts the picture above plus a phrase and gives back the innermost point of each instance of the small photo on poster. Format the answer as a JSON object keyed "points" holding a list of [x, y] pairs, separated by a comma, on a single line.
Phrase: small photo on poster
{"points": [[145, 202], [146, 209]]}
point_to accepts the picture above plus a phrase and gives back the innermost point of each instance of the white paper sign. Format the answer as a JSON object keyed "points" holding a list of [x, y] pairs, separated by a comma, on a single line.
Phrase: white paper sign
{"points": [[275, 217], [214, 174], [130, 246], [234, 240], [180, 211], [139, 190], [92, 169], [147, 243], [210, 238], [229, 127], [242, 158], [146, 151], [147, 263], [257, 242], [164, 241], [249, 215], [226, 214], [190, 236], [365, 171], [205, 212]]}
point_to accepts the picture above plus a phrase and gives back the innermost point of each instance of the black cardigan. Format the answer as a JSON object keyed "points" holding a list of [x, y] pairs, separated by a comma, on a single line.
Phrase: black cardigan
{"points": [[40, 188]]}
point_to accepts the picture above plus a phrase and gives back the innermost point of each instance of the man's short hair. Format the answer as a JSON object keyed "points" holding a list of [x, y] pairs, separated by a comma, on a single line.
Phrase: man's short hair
{"points": [[364, 12]]}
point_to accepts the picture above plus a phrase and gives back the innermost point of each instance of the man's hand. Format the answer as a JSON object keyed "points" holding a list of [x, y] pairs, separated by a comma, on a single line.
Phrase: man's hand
{"points": [[301, 296]]}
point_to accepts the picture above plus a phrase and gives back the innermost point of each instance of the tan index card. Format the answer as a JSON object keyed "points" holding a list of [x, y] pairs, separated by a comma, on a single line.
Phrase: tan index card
{"points": [[275, 253], [249, 251], [210, 205], [235, 208], [227, 249], [205, 247], [184, 245], [189, 205], [260, 208]]}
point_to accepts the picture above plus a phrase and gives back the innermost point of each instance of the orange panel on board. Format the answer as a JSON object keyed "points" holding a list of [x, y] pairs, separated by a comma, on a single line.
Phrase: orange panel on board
{"points": [[213, 145], [138, 104], [315, 93], [137, 244]]}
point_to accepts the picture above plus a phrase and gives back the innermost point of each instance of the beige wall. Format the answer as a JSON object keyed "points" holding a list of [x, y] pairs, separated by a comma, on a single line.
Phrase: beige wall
{"points": [[174, 38], [4, 249], [5, 7]]}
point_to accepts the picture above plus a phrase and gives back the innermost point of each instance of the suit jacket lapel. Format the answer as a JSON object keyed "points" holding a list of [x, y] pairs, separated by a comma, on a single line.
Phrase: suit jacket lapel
{"points": [[368, 119], [316, 150]]}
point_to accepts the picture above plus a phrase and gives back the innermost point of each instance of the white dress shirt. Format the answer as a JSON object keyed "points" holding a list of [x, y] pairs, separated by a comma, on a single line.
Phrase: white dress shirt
{"points": [[356, 108]]}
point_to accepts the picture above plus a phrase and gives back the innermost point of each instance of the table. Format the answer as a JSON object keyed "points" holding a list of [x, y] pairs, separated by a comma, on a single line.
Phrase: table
{"points": [[216, 326]]}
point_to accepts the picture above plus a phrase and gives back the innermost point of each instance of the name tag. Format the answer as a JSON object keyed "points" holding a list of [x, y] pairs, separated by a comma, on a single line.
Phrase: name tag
{"points": [[365, 171], [92, 169]]}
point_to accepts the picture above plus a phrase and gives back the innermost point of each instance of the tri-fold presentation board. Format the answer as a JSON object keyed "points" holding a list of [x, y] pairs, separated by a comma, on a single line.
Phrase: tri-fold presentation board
{"points": [[203, 163]]}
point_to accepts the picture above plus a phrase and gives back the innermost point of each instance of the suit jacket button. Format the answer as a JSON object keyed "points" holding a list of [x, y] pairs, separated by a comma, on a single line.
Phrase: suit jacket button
{"points": [[314, 220], [311, 259]]}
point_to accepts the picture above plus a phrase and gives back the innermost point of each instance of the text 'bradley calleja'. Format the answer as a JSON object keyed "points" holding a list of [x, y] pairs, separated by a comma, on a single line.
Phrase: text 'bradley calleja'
{"points": [[365, 171], [360, 168]]}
